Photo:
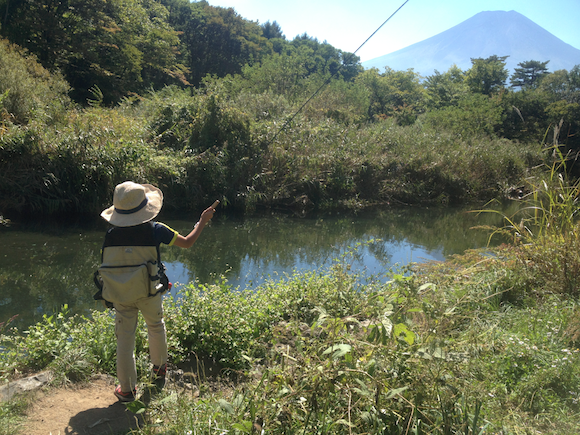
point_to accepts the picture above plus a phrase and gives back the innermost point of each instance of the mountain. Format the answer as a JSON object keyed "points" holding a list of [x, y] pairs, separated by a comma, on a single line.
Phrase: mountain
{"points": [[481, 36]]}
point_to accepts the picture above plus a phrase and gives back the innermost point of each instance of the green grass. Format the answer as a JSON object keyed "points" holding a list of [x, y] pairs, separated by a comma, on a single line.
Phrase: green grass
{"points": [[13, 415]]}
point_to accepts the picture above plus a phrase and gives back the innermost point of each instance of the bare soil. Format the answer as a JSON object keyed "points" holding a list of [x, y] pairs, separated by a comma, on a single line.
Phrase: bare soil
{"points": [[91, 409]]}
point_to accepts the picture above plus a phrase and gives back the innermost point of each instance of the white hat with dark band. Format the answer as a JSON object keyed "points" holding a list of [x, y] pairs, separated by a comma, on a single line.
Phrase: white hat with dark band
{"points": [[133, 204]]}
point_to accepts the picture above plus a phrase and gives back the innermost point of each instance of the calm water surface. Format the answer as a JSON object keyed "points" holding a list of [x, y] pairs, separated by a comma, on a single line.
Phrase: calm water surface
{"points": [[46, 266]]}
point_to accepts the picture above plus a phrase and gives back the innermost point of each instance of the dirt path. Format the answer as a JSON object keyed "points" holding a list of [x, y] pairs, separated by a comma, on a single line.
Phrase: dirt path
{"points": [[88, 410]]}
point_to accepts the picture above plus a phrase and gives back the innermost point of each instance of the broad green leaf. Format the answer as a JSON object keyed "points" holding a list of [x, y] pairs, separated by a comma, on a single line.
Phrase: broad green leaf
{"points": [[395, 392], [388, 325], [226, 406], [415, 310], [426, 286], [339, 350], [438, 353], [170, 398], [343, 349], [401, 331], [371, 367], [136, 407], [245, 426], [238, 400]]}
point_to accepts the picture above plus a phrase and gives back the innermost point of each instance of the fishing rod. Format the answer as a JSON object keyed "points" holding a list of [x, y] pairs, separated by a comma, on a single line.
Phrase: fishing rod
{"points": [[288, 121]]}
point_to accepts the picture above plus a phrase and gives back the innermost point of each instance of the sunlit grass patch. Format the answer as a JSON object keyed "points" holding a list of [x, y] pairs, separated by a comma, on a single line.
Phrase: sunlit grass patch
{"points": [[12, 415]]}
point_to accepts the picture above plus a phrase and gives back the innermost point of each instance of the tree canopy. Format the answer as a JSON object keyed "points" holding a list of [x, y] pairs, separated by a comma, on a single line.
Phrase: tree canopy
{"points": [[272, 30], [487, 75], [529, 74], [120, 46]]}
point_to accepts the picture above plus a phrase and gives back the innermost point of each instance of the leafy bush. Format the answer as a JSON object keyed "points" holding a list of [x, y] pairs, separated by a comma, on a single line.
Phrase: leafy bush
{"points": [[28, 90], [74, 168], [474, 114], [12, 415], [546, 230]]}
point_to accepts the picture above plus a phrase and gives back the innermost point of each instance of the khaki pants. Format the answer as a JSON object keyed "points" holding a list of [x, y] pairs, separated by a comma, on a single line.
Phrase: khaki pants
{"points": [[125, 327]]}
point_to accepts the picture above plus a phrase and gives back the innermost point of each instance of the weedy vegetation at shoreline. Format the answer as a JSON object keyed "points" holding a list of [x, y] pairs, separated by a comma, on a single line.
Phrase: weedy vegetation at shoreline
{"points": [[200, 148]]}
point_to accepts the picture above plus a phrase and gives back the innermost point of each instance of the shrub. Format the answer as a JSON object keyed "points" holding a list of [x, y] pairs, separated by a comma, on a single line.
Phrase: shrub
{"points": [[474, 114], [29, 91]]}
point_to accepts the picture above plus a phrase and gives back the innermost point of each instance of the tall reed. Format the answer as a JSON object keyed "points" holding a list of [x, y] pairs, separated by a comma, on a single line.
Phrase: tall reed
{"points": [[545, 226]]}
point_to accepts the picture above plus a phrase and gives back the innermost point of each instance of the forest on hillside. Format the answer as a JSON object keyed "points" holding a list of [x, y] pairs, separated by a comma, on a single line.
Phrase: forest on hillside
{"points": [[207, 104]]}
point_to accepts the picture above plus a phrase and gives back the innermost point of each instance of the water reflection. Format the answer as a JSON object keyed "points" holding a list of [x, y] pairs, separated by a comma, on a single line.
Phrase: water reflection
{"points": [[44, 267]]}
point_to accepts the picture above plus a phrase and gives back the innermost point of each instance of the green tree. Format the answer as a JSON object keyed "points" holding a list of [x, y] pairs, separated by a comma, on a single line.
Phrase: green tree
{"points": [[563, 90], [27, 90], [345, 102], [487, 76], [281, 74], [272, 30], [563, 85], [525, 115], [529, 74], [564, 118], [215, 41], [295, 73], [326, 59], [546, 108], [120, 46], [445, 89], [474, 115], [393, 93]]}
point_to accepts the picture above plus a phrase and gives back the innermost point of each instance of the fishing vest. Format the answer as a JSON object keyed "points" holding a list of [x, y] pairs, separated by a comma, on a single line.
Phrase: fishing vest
{"points": [[131, 266]]}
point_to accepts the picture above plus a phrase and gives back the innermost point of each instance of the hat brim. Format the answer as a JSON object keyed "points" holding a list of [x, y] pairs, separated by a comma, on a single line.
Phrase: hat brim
{"points": [[150, 211]]}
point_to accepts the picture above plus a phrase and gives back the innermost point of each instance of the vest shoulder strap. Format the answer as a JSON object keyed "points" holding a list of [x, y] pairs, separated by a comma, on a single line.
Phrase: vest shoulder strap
{"points": [[139, 235]]}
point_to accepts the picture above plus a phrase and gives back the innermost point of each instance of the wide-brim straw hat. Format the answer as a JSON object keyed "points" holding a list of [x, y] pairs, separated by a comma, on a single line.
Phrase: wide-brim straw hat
{"points": [[133, 204]]}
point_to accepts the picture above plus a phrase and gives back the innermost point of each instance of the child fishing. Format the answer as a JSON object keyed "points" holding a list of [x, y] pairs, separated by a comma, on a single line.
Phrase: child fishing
{"points": [[132, 277]]}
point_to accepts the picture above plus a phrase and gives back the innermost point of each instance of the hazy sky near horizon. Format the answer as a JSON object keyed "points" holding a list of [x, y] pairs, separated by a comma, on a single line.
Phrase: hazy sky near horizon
{"points": [[346, 24]]}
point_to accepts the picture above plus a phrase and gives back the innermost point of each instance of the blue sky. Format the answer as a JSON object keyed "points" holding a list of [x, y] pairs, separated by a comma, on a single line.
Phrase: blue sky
{"points": [[346, 24]]}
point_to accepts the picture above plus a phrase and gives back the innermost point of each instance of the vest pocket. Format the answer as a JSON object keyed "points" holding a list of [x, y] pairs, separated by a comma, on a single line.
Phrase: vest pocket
{"points": [[125, 284]]}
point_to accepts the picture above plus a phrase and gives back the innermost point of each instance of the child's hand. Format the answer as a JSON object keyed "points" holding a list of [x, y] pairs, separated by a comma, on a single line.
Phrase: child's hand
{"points": [[207, 215]]}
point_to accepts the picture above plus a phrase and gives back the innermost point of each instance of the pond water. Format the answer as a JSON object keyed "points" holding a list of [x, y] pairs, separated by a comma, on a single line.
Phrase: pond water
{"points": [[45, 266]]}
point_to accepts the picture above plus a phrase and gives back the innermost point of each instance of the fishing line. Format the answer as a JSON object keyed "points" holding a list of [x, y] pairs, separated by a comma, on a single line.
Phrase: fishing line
{"points": [[332, 75]]}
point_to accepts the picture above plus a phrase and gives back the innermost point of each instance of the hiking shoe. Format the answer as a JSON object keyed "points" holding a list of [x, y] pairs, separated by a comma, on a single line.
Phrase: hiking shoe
{"points": [[125, 397], [159, 371]]}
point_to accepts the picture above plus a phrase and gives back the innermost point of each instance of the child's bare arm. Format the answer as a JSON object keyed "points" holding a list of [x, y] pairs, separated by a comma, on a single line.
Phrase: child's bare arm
{"points": [[189, 240]]}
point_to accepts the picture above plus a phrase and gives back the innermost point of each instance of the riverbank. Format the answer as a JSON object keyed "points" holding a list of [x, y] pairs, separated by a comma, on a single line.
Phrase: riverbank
{"points": [[232, 153], [481, 342]]}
